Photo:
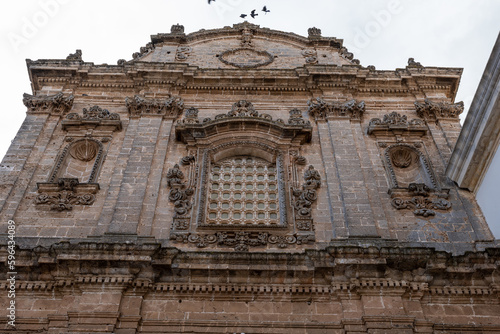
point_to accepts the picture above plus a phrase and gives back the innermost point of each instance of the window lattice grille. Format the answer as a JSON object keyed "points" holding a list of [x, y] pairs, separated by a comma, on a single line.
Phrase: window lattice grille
{"points": [[243, 191]]}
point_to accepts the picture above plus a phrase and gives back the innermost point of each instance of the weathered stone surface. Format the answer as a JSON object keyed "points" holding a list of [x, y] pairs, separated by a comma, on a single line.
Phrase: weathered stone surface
{"points": [[243, 180]]}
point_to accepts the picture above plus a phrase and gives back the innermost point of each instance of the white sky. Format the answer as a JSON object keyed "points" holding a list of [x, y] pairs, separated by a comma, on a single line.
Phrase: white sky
{"points": [[384, 33]]}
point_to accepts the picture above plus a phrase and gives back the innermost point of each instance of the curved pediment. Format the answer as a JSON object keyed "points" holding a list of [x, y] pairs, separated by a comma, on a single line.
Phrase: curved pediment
{"points": [[243, 119], [245, 45]]}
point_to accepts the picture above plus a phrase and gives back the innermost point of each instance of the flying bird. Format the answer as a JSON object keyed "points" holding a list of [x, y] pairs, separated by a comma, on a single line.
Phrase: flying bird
{"points": [[252, 14], [265, 10], [209, 1], [243, 16]]}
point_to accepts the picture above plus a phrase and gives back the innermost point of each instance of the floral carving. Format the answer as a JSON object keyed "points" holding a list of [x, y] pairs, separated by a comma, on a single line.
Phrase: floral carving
{"points": [[63, 195], [170, 107], [321, 109], [242, 241], [433, 110], [94, 113], [396, 122], [143, 51], [51, 103], [190, 116], [314, 32], [179, 193], [306, 196], [422, 205]]}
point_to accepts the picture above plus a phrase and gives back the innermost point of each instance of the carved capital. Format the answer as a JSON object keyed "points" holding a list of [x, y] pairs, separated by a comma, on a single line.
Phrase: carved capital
{"points": [[50, 104], [439, 110], [320, 109], [171, 107]]}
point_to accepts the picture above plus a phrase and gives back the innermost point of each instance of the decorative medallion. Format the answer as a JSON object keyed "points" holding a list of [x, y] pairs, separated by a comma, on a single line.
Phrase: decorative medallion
{"points": [[246, 58]]}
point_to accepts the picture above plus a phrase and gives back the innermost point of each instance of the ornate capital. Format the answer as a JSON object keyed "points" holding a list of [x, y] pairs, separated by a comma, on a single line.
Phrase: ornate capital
{"points": [[439, 110], [171, 107], [321, 109], [56, 104]]}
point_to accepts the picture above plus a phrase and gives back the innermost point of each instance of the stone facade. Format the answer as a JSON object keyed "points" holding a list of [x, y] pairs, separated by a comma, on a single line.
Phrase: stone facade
{"points": [[243, 180]]}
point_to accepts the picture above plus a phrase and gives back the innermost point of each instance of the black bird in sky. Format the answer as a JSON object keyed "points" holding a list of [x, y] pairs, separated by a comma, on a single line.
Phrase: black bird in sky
{"points": [[243, 16], [252, 14], [209, 1], [265, 10]]}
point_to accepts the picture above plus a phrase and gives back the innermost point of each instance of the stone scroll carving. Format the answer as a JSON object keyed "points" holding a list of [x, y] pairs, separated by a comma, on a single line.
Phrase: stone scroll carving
{"points": [[246, 57], [171, 107], [65, 193], [242, 241], [320, 109], [439, 110], [57, 104], [180, 194], [397, 124], [305, 197], [310, 55], [92, 118]]}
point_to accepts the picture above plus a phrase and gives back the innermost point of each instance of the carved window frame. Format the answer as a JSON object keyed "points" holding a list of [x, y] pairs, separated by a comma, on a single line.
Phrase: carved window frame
{"points": [[207, 142]]}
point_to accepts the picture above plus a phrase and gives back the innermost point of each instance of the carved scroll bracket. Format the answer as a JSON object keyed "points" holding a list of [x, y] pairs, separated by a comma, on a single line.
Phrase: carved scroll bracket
{"points": [[50, 104], [320, 109], [65, 193], [180, 193], [171, 107], [397, 125], [304, 198]]}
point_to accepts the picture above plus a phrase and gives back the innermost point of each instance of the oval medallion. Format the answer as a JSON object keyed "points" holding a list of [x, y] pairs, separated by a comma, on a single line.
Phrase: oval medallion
{"points": [[246, 58]]}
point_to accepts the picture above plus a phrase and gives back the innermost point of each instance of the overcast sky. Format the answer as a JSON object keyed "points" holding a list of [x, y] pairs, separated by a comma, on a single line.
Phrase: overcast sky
{"points": [[384, 33]]}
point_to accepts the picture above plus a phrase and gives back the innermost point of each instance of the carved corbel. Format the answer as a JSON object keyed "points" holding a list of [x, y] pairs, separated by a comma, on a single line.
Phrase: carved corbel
{"points": [[320, 109], [439, 110], [171, 107]]}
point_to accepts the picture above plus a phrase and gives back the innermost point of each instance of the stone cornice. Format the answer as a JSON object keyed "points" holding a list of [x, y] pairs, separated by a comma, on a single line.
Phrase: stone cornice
{"points": [[169, 107]]}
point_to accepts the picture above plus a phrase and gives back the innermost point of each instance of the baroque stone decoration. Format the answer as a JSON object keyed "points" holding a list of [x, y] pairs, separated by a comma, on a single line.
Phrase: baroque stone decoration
{"points": [[314, 32], [57, 104], [170, 107], [311, 56], [391, 245], [246, 58], [414, 185], [413, 63], [75, 56], [305, 197], [182, 53], [320, 109], [64, 194], [397, 124], [92, 117], [246, 37], [438, 110]]}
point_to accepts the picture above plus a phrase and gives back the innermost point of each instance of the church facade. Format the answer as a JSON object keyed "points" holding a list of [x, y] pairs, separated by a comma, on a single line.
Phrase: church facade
{"points": [[242, 180]]}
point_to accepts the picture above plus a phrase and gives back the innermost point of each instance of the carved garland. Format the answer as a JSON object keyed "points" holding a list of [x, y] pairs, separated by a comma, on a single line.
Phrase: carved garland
{"points": [[65, 195], [170, 107]]}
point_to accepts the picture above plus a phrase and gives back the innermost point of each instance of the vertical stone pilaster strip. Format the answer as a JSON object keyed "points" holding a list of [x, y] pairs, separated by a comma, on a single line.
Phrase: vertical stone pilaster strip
{"points": [[370, 180], [133, 187], [358, 211], [154, 179], [334, 189], [22, 160]]}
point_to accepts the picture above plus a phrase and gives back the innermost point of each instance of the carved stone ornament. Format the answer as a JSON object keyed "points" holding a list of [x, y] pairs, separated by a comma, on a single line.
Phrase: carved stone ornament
{"points": [[310, 55], [242, 241], [246, 58], [57, 104], [242, 111], [180, 192], [93, 117], [65, 193], [75, 56], [143, 51], [305, 197], [177, 29], [413, 63], [171, 107], [314, 32], [438, 110], [320, 109], [84, 150], [246, 38], [421, 205], [182, 53]]}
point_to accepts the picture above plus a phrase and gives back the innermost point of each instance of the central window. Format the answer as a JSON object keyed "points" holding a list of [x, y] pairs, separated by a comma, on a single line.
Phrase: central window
{"points": [[243, 191]]}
